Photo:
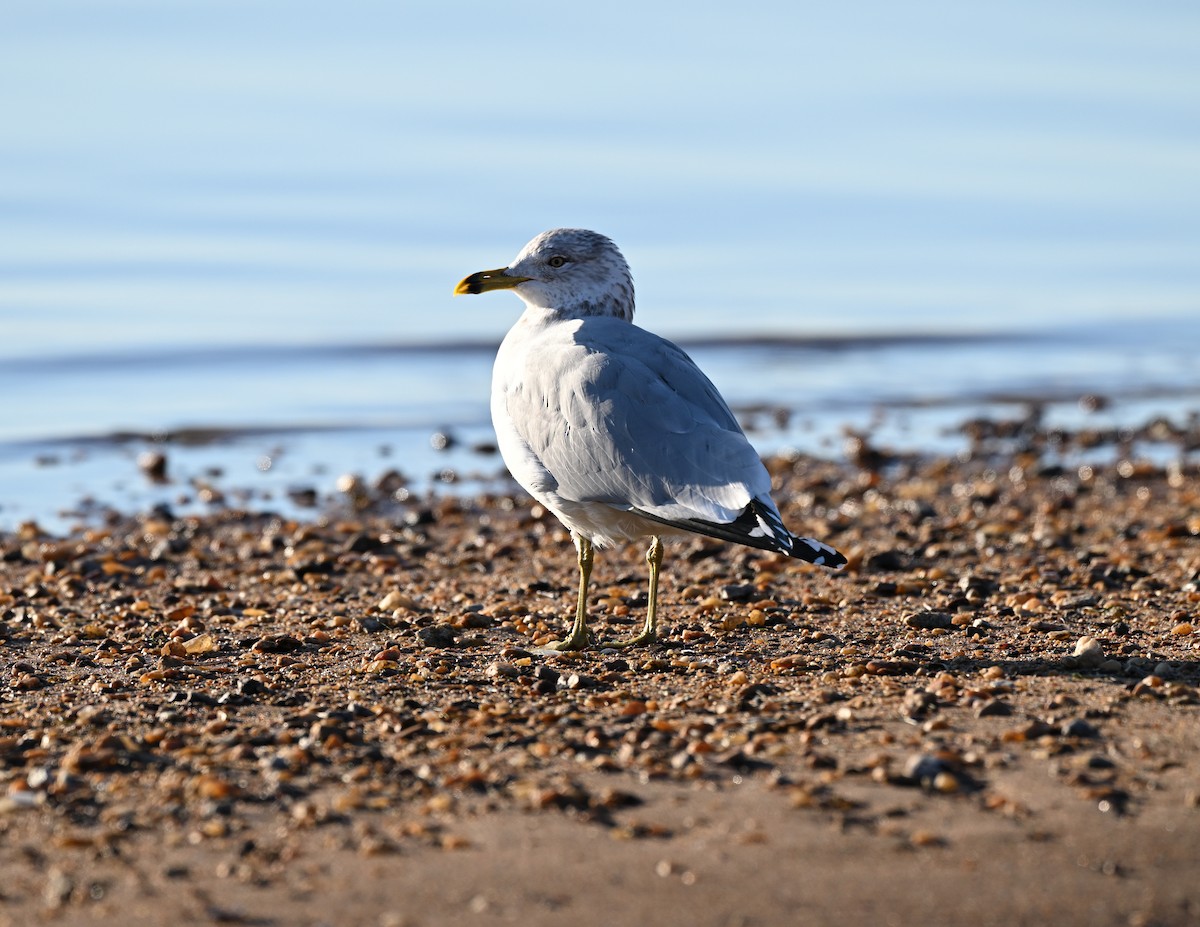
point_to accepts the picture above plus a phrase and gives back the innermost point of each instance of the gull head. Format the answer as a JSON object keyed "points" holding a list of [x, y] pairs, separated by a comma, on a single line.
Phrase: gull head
{"points": [[569, 272]]}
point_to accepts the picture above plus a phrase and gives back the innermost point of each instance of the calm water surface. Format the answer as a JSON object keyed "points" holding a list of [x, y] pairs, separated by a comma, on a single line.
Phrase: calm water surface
{"points": [[247, 219]]}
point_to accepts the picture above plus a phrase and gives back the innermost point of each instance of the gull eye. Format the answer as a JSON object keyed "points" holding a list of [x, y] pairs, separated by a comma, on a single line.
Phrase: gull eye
{"points": [[557, 261]]}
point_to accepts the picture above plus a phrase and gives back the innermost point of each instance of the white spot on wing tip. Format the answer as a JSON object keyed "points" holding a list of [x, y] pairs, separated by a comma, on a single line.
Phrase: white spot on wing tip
{"points": [[827, 556]]}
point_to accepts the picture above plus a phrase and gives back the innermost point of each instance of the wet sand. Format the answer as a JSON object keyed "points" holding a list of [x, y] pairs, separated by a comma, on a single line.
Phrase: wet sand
{"points": [[990, 717]]}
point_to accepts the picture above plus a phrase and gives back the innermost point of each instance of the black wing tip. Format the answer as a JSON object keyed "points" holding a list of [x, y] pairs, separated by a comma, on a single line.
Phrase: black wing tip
{"points": [[818, 553], [759, 527], [749, 528]]}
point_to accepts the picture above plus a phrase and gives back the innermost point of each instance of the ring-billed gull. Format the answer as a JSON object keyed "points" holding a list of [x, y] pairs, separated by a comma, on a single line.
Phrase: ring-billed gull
{"points": [[614, 429]]}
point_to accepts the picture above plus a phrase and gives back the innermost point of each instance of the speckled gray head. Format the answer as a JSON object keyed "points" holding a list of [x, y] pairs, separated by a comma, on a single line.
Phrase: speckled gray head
{"points": [[571, 272]]}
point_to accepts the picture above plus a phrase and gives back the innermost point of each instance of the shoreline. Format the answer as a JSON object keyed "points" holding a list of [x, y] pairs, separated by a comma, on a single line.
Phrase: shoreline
{"points": [[203, 470], [242, 718]]}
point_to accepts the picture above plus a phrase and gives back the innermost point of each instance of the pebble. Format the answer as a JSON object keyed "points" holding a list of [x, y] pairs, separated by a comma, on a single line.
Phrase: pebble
{"points": [[994, 708], [917, 703], [277, 643], [58, 888], [546, 679], [394, 600], [1149, 684], [350, 484], [498, 669], [201, 643], [1078, 727], [739, 593], [154, 465], [437, 635], [929, 620], [1088, 653], [923, 769]]}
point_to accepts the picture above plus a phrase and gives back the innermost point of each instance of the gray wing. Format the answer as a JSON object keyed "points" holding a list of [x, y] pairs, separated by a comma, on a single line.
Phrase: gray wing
{"points": [[621, 416]]}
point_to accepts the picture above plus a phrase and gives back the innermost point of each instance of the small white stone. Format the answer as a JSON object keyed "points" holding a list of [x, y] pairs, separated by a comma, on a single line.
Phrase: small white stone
{"points": [[1088, 652], [391, 601]]}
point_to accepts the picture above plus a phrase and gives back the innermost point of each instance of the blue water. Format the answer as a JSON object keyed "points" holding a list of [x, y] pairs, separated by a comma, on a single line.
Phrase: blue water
{"points": [[249, 216]]}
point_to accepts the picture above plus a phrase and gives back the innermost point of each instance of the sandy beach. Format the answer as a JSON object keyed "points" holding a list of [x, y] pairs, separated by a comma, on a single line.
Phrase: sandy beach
{"points": [[990, 717], [274, 616]]}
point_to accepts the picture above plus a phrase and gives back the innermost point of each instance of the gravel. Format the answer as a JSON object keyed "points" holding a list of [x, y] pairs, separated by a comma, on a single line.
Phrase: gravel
{"points": [[372, 680]]}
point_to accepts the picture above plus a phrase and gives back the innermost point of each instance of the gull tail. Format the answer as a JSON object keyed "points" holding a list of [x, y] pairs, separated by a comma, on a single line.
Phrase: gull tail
{"points": [[809, 549], [816, 552], [759, 525]]}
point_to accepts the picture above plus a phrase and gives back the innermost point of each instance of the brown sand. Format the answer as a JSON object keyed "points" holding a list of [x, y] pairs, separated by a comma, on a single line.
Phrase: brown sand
{"points": [[991, 717]]}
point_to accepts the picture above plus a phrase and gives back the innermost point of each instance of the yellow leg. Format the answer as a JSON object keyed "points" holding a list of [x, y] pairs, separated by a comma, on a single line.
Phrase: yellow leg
{"points": [[649, 632], [579, 637]]}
